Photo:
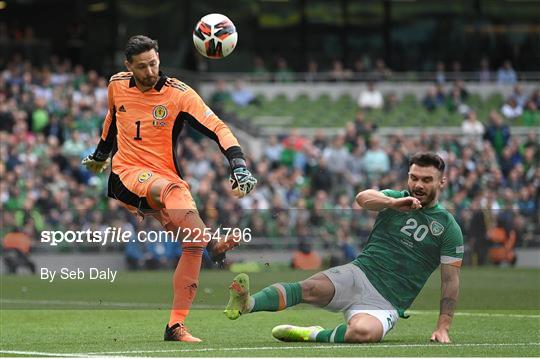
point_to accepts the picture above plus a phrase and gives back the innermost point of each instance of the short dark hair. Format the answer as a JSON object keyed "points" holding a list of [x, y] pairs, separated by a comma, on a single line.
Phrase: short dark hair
{"points": [[138, 44], [427, 159]]}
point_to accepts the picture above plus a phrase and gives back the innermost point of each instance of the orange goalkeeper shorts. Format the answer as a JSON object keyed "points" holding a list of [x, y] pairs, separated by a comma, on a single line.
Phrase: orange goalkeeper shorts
{"points": [[131, 186]]}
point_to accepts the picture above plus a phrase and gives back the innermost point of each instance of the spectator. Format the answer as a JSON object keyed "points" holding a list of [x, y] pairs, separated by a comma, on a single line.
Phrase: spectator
{"points": [[74, 146], [359, 68], [497, 132], [305, 258], [503, 241], [312, 71], [535, 97], [376, 160], [519, 96], [432, 100], [484, 74], [134, 253], [460, 86], [260, 72], [531, 115], [355, 167], [16, 249], [381, 71], [7, 119], [321, 177], [240, 95], [337, 155], [456, 70], [220, 97], [473, 129], [477, 232], [363, 128], [509, 159], [441, 97], [200, 165], [370, 98], [55, 129], [319, 140], [391, 102], [506, 74], [526, 203], [440, 76], [283, 72], [351, 135], [456, 103], [40, 116], [339, 72], [273, 150], [511, 109]]}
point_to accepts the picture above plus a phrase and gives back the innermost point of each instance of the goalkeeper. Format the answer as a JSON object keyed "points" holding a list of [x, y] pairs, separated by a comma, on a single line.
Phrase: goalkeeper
{"points": [[147, 111], [412, 236]]}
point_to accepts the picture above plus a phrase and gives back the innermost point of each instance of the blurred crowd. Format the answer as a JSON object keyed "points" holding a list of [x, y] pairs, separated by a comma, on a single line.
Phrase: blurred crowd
{"points": [[364, 68], [50, 118]]}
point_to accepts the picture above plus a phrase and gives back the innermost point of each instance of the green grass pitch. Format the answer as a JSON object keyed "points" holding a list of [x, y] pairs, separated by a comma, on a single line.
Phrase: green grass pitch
{"points": [[498, 315]]}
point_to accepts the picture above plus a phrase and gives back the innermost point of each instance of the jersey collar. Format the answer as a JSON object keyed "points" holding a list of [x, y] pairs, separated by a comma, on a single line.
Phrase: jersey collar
{"points": [[159, 84]]}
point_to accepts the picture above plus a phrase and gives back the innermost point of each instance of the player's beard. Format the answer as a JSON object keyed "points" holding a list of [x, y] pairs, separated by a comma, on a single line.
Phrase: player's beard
{"points": [[424, 196], [148, 81]]}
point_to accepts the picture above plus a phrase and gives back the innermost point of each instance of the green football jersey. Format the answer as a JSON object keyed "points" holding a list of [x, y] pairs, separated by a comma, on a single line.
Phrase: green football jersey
{"points": [[404, 248]]}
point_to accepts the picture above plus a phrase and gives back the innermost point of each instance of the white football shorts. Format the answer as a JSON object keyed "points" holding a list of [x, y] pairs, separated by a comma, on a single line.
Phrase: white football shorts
{"points": [[355, 294]]}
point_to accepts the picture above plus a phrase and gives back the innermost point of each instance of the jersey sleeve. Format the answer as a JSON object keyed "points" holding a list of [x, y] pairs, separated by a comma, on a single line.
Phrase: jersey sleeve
{"points": [[394, 194], [452, 247], [108, 134], [203, 119]]}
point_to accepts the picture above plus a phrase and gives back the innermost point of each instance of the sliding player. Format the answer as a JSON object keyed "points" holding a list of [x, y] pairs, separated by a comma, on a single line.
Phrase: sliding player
{"points": [[412, 235]]}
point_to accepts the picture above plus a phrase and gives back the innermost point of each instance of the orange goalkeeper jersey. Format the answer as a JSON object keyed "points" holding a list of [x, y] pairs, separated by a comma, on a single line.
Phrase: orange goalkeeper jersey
{"points": [[146, 125]]}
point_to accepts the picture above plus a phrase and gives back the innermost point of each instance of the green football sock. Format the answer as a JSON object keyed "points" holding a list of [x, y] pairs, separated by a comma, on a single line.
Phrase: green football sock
{"points": [[336, 335], [276, 297]]}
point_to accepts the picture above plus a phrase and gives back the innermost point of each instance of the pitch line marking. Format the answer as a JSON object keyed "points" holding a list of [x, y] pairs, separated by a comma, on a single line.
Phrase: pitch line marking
{"points": [[20, 352], [365, 346], [477, 314], [315, 346]]}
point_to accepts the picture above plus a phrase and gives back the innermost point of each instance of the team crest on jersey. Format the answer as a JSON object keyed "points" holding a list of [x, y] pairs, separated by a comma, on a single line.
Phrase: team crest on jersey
{"points": [[144, 176], [436, 228], [160, 112]]}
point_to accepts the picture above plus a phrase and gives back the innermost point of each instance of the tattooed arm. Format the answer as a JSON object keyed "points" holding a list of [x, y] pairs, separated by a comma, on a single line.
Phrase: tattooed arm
{"points": [[449, 296]]}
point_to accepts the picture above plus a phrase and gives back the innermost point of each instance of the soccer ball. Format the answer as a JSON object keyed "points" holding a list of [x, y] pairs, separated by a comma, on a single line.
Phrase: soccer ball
{"points": [[215, 36]]}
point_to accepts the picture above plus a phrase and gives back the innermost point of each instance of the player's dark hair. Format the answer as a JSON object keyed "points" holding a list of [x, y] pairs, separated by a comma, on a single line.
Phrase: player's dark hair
{"points": [[428, 159], [138, 44]]}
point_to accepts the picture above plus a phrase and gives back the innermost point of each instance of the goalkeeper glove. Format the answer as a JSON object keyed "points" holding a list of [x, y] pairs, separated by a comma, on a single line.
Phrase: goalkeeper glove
{"points": [[95, 166], [242, 180]]}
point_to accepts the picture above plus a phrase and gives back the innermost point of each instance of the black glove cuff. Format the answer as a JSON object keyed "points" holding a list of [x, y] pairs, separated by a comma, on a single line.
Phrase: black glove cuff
{"points": [[100, 156], [238, 162], [102, 151], [235, 153]]}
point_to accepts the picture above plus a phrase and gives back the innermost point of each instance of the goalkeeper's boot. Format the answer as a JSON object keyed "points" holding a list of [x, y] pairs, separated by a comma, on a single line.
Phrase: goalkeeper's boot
{"points": [[179, 333], [292, 333], [217, 248], [238, 297]]}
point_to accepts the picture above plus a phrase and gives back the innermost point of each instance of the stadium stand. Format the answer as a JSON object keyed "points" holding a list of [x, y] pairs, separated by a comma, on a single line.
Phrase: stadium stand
{"points": [[51, 116]]}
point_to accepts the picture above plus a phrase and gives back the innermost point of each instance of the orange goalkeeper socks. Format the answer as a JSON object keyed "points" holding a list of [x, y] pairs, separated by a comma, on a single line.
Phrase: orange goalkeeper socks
{"points": [[185, 282], [179, 206]]}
